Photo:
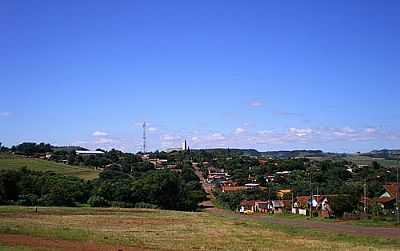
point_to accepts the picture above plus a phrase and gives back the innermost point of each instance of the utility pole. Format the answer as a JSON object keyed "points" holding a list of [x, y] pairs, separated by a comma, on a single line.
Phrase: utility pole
{"points": [[397, 197], [365, 196], [144, 138], [292, 200], [311, 196]]}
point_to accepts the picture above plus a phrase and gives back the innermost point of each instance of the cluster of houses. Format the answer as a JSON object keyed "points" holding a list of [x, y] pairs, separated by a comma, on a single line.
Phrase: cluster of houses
{"points": [[269, 206], [160, 164], [319, 204], [217, 176]]}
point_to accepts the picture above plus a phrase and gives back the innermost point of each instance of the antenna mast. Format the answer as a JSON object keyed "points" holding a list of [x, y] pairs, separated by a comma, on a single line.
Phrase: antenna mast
{"points": [[144, 138]]}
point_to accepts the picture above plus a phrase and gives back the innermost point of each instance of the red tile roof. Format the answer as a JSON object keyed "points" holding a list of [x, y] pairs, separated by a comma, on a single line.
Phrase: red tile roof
{"points": [[303, 200], [385, 200], [391, 188], [247, 202]]}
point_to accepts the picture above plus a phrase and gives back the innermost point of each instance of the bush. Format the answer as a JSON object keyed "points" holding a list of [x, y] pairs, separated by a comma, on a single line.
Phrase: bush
{"points": [[28, 200], [145, 205], [98, 201], [121, 204]]}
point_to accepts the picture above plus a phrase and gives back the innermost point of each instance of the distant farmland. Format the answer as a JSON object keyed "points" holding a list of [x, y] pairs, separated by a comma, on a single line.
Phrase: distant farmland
{"points": [[365, 160], [8, 161]]}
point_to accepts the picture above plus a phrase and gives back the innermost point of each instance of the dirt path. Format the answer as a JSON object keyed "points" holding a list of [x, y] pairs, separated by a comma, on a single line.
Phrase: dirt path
{"points": [[388, 232], [53, 244], [207, 188]]}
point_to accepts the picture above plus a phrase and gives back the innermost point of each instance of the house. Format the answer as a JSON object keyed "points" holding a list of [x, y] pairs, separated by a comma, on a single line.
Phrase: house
{"points": [[263, 206], [231, 189], [325, 210], [319, 203], [252, 186], [302, 201], [255, 206], [247, 205], [283, 173], [388, 199], [278, 206], [281, 193], [230, 183], [158, 162], [88, 153]]}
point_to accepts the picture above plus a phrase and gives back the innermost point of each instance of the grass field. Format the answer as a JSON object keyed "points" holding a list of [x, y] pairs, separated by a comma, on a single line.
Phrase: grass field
{"points": [[146, 229], [8, 161], [365, 160]]}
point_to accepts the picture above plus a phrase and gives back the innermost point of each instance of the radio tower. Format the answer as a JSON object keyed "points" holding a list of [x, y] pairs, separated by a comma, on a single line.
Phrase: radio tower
{"points": [[144, 138]]}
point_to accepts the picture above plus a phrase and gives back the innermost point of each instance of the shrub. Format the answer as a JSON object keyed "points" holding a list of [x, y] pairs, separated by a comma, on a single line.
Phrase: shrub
{"points": [[98, 201], [28, 200], [145, 205], [121, 204]]}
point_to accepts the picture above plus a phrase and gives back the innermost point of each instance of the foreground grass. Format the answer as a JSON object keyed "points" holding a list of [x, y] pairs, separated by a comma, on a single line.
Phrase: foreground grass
{"points": [[9, 161], [171, 230], [20, 248], [374, 222]]}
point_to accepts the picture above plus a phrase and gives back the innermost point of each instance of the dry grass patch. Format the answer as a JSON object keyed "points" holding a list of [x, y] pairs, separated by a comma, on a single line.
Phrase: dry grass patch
{"points": [[163, 230]]}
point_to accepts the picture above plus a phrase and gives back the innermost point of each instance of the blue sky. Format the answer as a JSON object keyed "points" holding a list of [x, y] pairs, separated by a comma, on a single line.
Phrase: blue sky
{"points": [[262, 74]]}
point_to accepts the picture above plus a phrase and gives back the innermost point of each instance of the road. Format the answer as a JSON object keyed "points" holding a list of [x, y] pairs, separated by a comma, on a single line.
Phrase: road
{"points": [[207, 188]]}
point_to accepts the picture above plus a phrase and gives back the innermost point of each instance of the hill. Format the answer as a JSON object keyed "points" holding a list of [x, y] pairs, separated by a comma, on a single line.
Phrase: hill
{"points": [[9, 161], [272, 154], [390, 154]]}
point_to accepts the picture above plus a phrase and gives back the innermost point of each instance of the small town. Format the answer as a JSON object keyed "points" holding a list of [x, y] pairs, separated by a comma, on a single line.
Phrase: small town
{"points": [[199, 125]]}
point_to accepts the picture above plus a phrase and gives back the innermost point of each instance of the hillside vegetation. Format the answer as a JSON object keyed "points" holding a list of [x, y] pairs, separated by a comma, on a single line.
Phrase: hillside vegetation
{"points": [[12, 162]]}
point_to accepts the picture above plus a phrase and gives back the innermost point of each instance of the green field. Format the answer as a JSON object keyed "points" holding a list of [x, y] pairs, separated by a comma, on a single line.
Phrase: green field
{"points": [[365, 160], [145, 229], [9, 161]]}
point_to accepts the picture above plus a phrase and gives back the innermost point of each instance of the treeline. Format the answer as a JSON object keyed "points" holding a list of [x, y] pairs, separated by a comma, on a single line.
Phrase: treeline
{"points": [[157, 189]]}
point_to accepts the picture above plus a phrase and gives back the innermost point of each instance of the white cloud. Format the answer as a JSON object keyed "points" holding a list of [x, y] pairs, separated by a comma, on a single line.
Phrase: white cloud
{"points": [[99, 134], [104, 141], [370, 130], [355, 134], [239, 130], [217, 136], [169, 137], [300, 132], [247, 137], [5, 114], [264, 132], [345, 132], [153, 129], [256, 103]]}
